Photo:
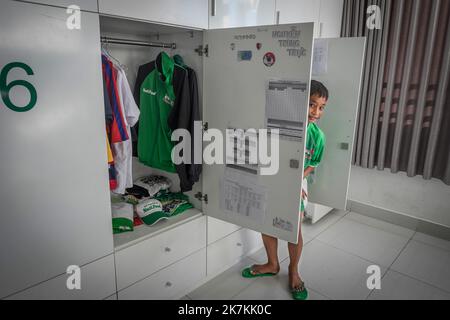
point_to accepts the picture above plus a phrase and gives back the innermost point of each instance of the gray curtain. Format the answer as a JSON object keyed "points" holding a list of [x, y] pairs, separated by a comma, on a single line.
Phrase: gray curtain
{"points": [[404, 116]]}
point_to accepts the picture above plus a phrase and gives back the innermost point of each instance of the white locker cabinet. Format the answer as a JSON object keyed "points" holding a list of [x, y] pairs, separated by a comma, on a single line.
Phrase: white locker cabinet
{"points": [[170, 283], [226, 252], [142, 259], [85, 5], [58, 199], [192, 13], [218, 229], [330, 18], [97, 281], [235, 97], [342, 78], [240, 13], [53, 173], [299, 11]]}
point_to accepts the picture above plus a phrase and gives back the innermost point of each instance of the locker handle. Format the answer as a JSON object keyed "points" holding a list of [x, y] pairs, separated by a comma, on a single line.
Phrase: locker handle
{"points": [[167, 249], [239, 244], [168, 284], [213, 8]]}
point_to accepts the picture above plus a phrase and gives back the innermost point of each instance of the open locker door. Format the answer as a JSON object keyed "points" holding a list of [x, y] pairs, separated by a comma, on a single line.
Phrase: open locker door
{"points": [[244, 69], [340, 70]]}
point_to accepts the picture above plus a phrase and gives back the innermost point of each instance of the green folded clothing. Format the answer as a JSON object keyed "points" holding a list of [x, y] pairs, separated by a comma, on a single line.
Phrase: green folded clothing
{"points": [[162, 207]]}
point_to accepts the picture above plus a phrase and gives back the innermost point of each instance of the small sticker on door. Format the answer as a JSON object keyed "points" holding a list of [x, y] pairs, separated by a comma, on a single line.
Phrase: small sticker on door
{"points": [[259, 45], [282, 224], [244, 55], [269, 59]]}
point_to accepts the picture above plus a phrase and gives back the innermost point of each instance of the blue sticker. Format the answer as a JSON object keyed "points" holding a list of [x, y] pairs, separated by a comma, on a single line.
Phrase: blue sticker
{"points": [[244, 55]]}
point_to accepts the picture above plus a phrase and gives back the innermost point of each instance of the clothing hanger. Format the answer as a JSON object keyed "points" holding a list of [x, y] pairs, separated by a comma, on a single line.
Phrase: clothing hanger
{"points": [[114, 60]]}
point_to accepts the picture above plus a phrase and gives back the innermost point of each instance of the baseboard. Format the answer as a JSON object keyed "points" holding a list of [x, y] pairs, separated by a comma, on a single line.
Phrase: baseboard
{"points": [[403, 220]]}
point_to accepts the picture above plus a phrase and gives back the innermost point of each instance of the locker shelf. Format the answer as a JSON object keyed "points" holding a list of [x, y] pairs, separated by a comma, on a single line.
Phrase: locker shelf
{"points": [[143, 232]]}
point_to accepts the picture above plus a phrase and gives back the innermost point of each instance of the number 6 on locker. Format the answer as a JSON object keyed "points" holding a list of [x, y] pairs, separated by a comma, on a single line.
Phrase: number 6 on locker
{"points": [[5, 88]]}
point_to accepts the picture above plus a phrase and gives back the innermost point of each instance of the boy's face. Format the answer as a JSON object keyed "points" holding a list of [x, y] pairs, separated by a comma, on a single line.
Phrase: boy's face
{"points": [[316, 107]]}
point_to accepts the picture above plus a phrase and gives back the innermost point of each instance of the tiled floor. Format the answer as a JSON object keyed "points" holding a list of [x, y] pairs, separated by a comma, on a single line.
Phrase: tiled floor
{"points": [[337, 252]]}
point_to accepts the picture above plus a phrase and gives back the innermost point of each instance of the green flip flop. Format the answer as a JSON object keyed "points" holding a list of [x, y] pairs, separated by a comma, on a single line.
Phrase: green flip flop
{"points": [[300, 292], [248, 273]]}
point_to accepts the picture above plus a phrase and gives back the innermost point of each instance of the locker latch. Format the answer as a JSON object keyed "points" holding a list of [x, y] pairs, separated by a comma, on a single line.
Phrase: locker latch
{"points": [[205, 126], [202, 51], [200, 196]]}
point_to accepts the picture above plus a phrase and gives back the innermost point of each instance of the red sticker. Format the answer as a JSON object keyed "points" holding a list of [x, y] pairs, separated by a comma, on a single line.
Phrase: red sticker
{"points": [[269, 59], [258, 45]]}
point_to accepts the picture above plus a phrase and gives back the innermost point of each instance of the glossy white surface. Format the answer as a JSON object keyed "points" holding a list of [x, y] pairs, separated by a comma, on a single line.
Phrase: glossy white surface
{"points": [[192, 13], [140, 260], [343, 81], [242, 13], [235, 96], [171, 282], [54, 179], [88, 5], [97, 282]]}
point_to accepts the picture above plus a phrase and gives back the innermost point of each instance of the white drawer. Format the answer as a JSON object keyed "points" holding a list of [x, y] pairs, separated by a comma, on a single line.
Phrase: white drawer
{"points": [[138, 261], [171, 282], [218, 229], [97, 281], [226, 252]]}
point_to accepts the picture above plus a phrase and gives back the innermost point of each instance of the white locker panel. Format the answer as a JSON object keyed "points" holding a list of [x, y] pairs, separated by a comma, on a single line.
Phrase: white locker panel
{"points": [[343, 80], [171, 282], [330, 18], [86, 5], [235, 97], [97, 281], [192, 13], [54, 178], [218, 229], [241, 13], [298, 11]]}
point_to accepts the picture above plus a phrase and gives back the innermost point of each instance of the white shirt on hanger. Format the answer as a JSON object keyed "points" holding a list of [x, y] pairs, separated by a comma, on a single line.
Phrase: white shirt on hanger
{"points": [[122, 151]]}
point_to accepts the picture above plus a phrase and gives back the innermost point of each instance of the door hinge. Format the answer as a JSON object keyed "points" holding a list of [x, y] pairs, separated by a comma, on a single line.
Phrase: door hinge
{"points": [[200, 196], [205, 126], [202, 51]]}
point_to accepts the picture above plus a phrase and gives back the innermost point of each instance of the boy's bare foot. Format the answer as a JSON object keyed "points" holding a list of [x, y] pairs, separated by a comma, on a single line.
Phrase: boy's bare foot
{"points": [[294, 278], [265, 268]]}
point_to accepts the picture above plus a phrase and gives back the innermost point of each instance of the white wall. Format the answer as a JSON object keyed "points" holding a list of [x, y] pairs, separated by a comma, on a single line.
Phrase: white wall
{"points": [[428, 200]]}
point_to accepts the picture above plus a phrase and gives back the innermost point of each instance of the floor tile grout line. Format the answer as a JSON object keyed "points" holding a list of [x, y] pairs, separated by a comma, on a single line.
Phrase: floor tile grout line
{"points": [[432, 245], [331, 224], [379, 228], [240, 291], [352, 254], [420, 280], [409, 276]]}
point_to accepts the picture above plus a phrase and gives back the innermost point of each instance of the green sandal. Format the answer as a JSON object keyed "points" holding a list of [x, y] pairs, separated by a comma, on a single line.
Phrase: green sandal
{"points": [[249, 273], [300, 292]]}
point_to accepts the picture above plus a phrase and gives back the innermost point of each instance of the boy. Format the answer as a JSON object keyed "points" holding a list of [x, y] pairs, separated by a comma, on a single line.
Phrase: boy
{"points": [[315, 143]]}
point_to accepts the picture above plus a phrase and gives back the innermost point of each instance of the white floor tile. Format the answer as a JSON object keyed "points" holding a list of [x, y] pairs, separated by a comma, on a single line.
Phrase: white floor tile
{"points": [[386, 226], [313, 230], [373, 244], [424, 238], [334, 273], [425, 262], [395, 286], [226, 285], [273, 288]]}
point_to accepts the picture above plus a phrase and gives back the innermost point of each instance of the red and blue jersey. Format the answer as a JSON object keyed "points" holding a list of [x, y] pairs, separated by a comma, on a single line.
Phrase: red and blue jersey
{"points": [[118, 129]]}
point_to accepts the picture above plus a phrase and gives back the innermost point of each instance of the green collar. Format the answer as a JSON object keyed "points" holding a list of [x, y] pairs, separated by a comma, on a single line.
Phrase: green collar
{"points": [[165, 66]]}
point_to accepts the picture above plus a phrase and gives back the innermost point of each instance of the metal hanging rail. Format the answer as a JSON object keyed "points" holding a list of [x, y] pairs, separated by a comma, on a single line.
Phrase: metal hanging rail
{"points": [[137, 43]]}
